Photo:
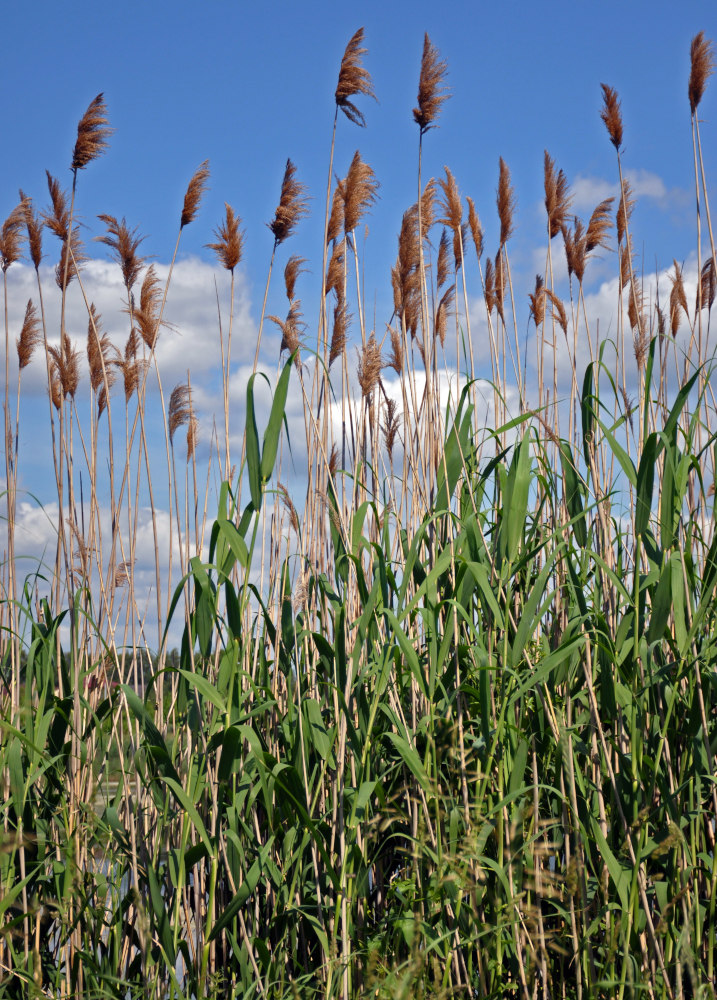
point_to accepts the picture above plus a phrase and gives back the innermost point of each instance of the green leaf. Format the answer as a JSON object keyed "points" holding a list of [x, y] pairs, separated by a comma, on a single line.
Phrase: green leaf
{"points": [[273, 428], [252, 447]]}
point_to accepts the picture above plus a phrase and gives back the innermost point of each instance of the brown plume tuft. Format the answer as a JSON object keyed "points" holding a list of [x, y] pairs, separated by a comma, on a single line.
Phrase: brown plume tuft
{"points": [[428, 205], [708, 284], [624, 211], [702, 64], [444, 310], [147, 315], [558, 310], [290, 508], [98, 349], [64, 369], [180, 408], [611, 115], [30, 336], [342, 318], [11, 237], [335, 270], [537, 302], [431, 89], [500, 283], [291, 272], [599, 226], [442, 267], [359, 192], [390, 427], [369, 366], [678, 299], [290, 328], [395, 360], [130, 365], [475, 228], [336, 219], [93, 133], [196, 188], [57, 220], [34, 230], [230, 240], [506, 203], [451, 203], [489, 286], [557, 196], [353, 79], [72, 257], [293, 205], [124, 243]]}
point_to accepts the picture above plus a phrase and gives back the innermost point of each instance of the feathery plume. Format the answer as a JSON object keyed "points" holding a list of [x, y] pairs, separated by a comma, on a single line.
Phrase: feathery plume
{"points": [[537, 302], [500, 283], [290, 508], [336, 219], [124, 243], [475, 228], [30, 336], [702, 64], [147, 315], [230, 240], [335, 270], [11, 237], [293, 205], [34, 230], [72, 257], [611, 115], [489, 283], [557, 195], [196, 188], [395, 360], [290, 328], [443, 311], [678, 299], [291, 272], [333, 461], [431, 89], [130, 365], [342, 319], [180, 406], [353, 79], [428, 204], [451, 203], [93, 133], [369, 366], [359, 192], [442, 269], [58, 219], [708, 284], [65, 364], [575, 248], [598, 227], [390, 427], [506, 203], [558, 310], [98, 349], [624, 210]]}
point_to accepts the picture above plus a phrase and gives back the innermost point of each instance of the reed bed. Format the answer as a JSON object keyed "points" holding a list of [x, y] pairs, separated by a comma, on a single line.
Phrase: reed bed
{"points": [[443, 721]]}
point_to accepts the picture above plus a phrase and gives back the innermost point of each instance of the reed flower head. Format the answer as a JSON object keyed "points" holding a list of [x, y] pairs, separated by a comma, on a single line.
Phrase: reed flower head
{"points": [[93, 132], [11, 237], [707, 287], [431, 89], [30, 336], [342, 319], [612, 115], [557, 196], [359, 192], [230, 240], [34, 230], [537, 301], [196, 188], [475, 228], [369, 366], [293, 205], [702, 64], [505, 201], [124, 243], [353, 79]]}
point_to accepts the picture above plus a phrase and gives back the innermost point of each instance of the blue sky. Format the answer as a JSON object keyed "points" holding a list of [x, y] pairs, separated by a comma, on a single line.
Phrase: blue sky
{"points": [[248, 85]]}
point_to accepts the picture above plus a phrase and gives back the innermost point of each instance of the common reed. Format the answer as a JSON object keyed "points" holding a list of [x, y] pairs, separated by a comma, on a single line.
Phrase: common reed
{"points": [[441, 720]]}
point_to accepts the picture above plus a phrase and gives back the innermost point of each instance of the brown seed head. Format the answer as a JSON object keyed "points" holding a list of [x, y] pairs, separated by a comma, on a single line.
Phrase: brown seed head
{"points": [[678, 299], [611, 115], [390, 427], [475, 228], [708, 284], [293, 205], [98, 351], [290, 508], [537, 302], [11, 237], [335, 270], [500, 283], [442, 266], [506, 203], [65, 366], [72, 257], [626, 262], [34, 230], [599, 226], [558, 310], [179, 408], [624, 210], [146, 316], [290, 330], [369, 366], [428, 207], [450, 205], [230, 240], [353, 79], [58, 219], [489, 286], [30, 336], [93, 133], [432, 91], [443, 312], [196, 188], [291, 272], [359, 191], [395, 360], [342, 318], [702, 64], [557, 196], [124, 243], [336, 219]]}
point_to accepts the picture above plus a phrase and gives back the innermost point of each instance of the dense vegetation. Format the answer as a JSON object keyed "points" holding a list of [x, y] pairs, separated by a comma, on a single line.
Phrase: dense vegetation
{"points": [[450, 731]]}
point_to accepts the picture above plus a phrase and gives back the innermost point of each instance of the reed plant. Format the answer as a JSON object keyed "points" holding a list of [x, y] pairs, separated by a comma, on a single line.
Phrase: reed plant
{"points": [[443, 719]]}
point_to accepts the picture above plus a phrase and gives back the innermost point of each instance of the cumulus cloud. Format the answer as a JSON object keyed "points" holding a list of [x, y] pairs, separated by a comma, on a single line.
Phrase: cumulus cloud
{"points": [[588, 191]]}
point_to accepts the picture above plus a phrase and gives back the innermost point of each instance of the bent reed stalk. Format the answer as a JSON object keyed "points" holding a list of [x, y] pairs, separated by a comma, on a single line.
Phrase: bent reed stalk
{"points": [[452, 731]]}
